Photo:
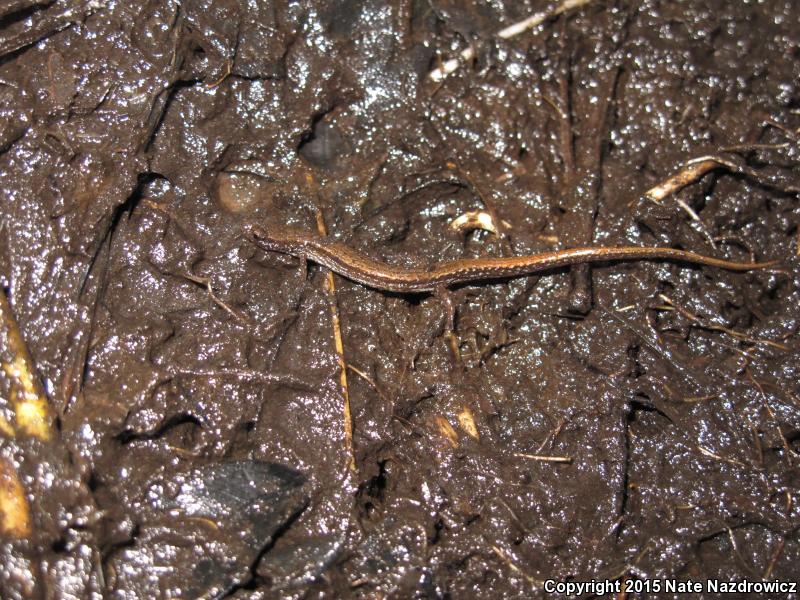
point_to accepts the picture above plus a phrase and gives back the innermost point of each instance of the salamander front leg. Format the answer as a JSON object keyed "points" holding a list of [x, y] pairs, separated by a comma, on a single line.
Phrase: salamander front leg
{"points": [[303, 267], [580, 297]]}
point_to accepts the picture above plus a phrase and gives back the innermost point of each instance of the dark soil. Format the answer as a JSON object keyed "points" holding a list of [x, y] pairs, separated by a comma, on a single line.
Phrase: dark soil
{"points": [[202, 445]]}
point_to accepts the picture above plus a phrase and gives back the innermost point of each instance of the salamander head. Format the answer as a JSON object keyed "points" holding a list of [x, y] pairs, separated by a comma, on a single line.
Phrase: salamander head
{"points": [[279, 239]]}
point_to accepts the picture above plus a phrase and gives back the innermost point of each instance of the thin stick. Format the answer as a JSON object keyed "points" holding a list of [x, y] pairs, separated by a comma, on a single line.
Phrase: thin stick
{"points": [[468, 53], [241, 375], [206, 282], [228, 67], [371, 382], [691, 399], [551, 437], [330, 288], [774, 559], [543, 458], [689, 173], [714, 327], [507, 560], [697, 167], [710, 454], [787, 448]]}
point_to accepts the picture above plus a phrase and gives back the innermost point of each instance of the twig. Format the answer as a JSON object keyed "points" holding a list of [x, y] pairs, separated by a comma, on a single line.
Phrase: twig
{"points": [[551, 437], [788, 449], [507, 560], [513, 514], [738, 554], [206, 281], [330, 288], [714, 327], [696, 218], [370, 381], [759, 448], [543, 458], [241, 374], [739, 241], [691, 399], [228, 67], [582, 215], [689, 173], [706, 452], [774, 559], [629, 567], [751, 147], [468, 53], [697, 167]]}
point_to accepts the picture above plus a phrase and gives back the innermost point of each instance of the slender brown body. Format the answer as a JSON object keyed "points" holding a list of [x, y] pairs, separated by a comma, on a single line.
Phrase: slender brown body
{"points": [[360, 268]]}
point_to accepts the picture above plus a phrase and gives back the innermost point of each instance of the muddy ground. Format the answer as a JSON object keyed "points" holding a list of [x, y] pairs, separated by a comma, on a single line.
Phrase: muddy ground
{"points": [[628, 421]]}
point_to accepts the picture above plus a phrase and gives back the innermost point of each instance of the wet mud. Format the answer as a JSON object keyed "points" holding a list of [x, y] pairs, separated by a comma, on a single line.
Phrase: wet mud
{"points": [[184, 414]]}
